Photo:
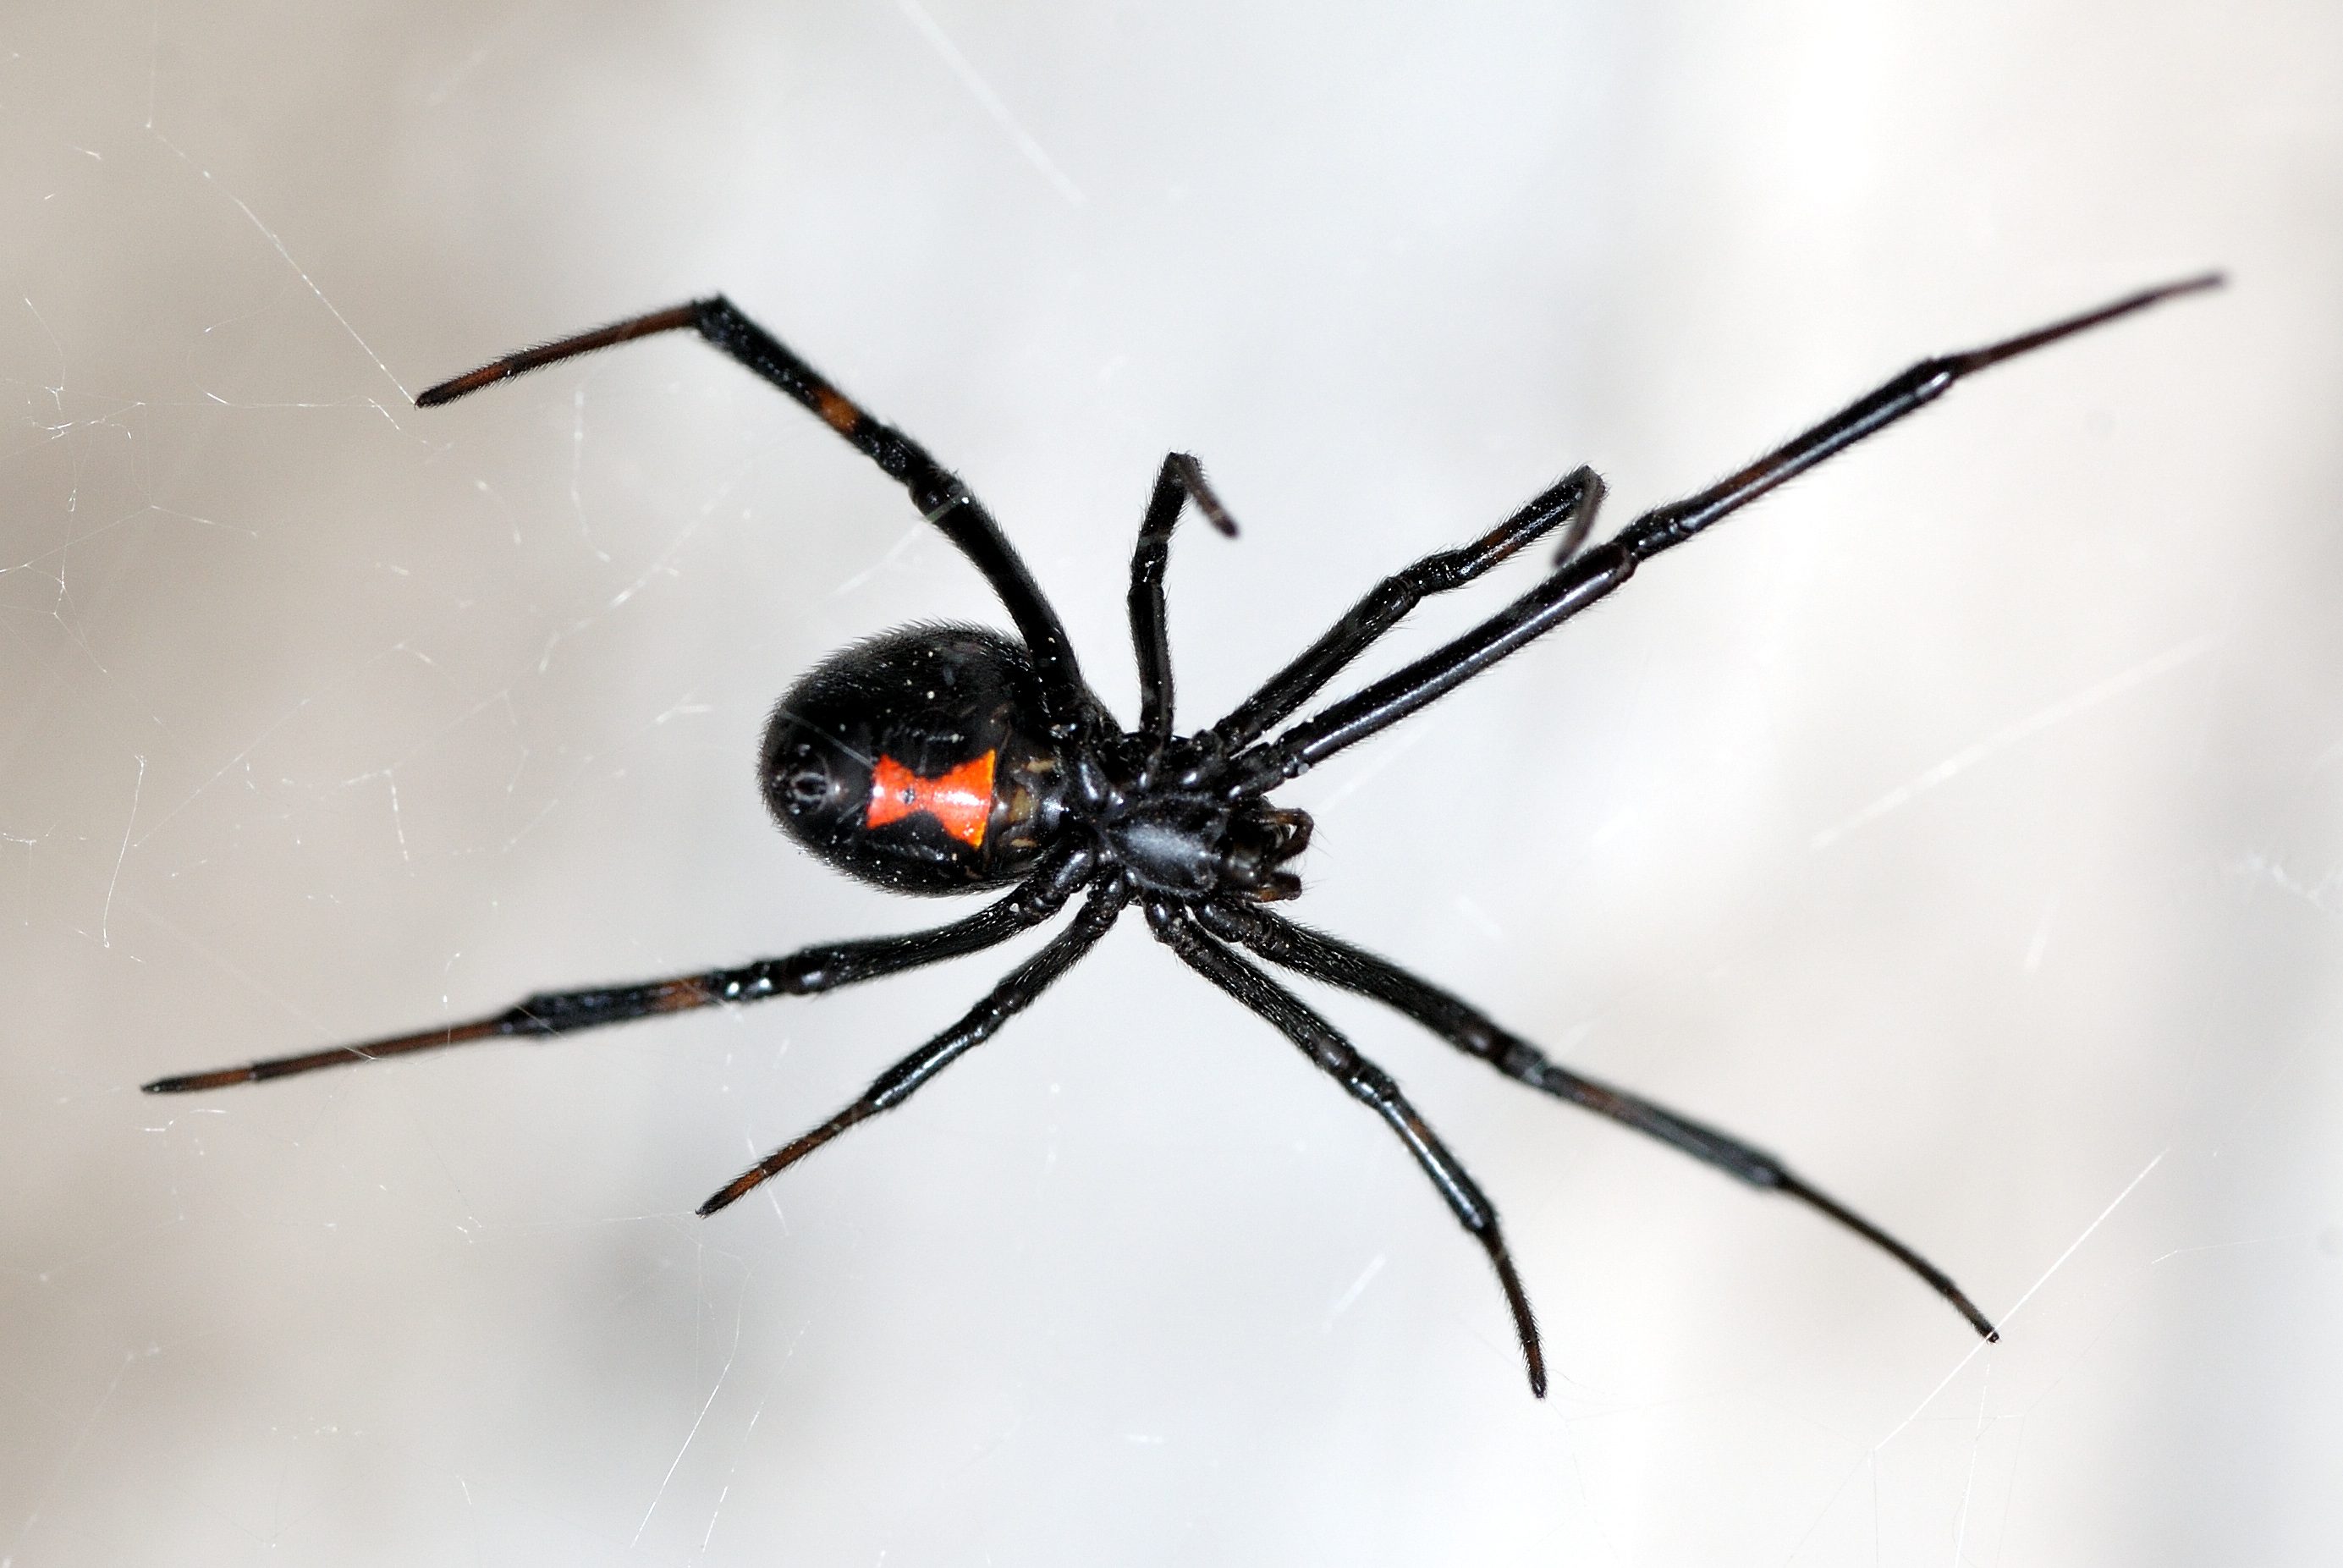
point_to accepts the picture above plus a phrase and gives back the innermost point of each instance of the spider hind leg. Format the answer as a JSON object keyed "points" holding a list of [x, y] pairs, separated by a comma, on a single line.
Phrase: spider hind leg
{"points": [[809, 971], [1337, 963], [1340, 1060], [1012, 996]]}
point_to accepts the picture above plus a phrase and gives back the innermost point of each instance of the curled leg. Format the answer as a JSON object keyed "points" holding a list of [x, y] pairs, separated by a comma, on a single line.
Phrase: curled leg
{"points": [[1180, 480], [899, 1082], [1571, 500], [805, 973], [1322, 957], [1368, 1084]]}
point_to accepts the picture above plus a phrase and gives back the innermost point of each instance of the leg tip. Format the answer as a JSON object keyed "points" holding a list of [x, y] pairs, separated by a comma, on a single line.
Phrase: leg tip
{"points": [[187, 1083], [1977, 1320], [731, 1193], [2203, 280], [470, 381]]}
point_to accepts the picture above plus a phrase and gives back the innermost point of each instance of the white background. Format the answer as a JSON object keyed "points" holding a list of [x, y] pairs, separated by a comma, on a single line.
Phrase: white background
{"points": [[1962, 821]]}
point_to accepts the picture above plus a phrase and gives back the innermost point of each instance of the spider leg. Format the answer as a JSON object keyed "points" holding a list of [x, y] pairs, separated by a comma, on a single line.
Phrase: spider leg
{"points": [[1580, 582], [1181, 479], [805, 972], [1574, 499], [945, 501], [897, 1085], [1465, 1026], [1335, 1055]]}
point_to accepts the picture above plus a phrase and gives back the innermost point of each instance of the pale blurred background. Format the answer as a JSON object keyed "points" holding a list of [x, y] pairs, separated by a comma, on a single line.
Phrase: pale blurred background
{"points": [[1963, 823]]}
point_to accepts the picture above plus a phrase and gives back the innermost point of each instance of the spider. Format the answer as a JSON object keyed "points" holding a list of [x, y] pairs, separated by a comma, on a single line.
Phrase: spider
{"points": [[945, 759]]}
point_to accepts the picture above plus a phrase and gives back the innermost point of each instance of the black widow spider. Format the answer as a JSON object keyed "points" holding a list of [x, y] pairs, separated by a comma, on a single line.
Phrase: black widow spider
{"points": [[938, 759]]}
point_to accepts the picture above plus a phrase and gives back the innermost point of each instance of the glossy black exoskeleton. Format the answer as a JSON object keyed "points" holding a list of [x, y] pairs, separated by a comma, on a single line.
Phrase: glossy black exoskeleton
{"points": [[918, 760], [940, 759]]}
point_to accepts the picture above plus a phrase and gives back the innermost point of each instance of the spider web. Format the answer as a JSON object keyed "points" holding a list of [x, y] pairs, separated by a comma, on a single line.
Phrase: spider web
{"points": [[1958, 823]]}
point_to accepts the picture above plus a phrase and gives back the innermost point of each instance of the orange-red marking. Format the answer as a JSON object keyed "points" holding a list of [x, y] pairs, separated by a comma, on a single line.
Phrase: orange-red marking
{"points": [[835, 411], [962, 799]]}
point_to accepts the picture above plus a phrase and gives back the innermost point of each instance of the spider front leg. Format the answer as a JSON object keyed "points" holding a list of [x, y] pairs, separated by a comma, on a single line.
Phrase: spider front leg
{"points": [[1180, 480], [805, 972], [899, 1082], [1368, 1084], [1573, 499], [942, 499], [1465, 1026], [1580, 582]]}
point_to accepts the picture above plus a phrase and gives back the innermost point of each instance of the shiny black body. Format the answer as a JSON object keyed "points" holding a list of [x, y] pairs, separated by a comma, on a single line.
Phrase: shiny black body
{"points": [[932, 698], [942, 758]]}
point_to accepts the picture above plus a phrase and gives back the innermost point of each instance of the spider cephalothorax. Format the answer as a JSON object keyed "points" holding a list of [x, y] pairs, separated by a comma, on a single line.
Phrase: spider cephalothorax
{"points": [[940, 759], [1198, 845]]}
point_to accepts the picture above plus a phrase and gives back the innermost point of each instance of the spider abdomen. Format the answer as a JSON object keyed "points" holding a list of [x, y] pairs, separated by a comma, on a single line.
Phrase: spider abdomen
{"points": [[914, 760]]}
